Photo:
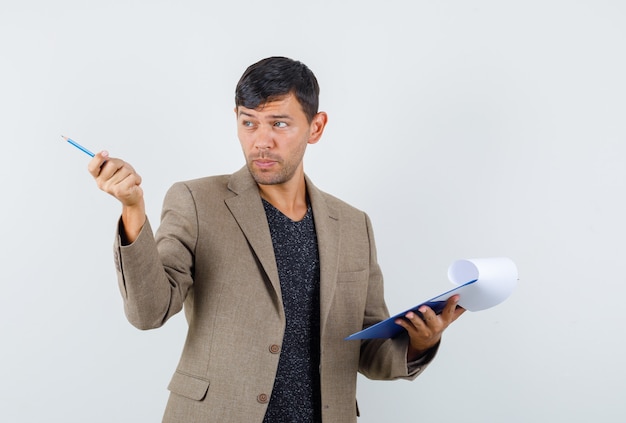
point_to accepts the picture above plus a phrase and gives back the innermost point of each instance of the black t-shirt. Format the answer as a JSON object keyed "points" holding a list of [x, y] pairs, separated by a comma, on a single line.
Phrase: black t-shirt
{"points": [[296, 394]]}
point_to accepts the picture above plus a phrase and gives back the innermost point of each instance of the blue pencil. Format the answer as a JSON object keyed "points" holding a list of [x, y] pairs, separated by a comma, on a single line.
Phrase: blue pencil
{"points": [[77, 145]]}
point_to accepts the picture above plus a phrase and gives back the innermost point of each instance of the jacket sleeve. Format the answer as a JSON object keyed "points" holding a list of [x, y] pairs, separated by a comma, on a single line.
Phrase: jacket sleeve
{"points": [[385, 359], [155, 274]]}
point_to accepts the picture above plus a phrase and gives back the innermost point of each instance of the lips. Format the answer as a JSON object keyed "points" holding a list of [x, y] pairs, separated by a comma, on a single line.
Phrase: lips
{"points": [[264, 163]]}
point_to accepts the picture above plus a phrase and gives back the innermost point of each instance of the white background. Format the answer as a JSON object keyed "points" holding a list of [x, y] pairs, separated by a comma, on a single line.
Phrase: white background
{"points": [[464, 128]]}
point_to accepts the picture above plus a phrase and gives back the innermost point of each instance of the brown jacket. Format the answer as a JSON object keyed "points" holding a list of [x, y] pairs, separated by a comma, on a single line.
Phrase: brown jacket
{"points": [[213, 253]]}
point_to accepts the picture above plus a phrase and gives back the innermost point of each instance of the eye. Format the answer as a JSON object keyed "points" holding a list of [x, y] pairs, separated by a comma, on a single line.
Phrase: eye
{"points": [[247, 124], [280, 124]]}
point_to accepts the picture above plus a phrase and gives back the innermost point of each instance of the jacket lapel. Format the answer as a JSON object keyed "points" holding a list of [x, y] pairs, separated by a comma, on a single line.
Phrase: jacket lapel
{"points": [[327, 227], [247, 209]]}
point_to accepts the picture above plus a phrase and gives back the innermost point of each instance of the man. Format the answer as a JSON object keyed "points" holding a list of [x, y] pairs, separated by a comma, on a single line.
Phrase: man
{"points": [[272, 272]]}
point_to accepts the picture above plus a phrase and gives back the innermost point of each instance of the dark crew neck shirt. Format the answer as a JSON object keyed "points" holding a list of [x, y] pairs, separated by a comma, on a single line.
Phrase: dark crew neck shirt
{"points": [[296, 394]]}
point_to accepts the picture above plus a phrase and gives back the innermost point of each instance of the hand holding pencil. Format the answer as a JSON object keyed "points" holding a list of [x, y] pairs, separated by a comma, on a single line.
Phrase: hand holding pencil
{"points": [[119, 179]]}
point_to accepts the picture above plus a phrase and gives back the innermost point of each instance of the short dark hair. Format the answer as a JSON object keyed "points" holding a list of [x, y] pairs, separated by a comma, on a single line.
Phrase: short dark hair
{"points": [[275, 77]]}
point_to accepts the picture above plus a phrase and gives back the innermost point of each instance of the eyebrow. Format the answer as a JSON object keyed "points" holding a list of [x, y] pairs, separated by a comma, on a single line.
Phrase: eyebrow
{"points": [[273, 117]]}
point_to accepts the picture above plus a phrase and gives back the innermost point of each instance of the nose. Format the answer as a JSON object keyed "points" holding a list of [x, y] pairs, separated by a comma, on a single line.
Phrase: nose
{"points": [[263, 138]]}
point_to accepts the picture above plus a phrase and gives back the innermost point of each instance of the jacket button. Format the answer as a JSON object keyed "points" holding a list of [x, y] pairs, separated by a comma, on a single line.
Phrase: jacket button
{"points": [[262, 398], [274, 349]]}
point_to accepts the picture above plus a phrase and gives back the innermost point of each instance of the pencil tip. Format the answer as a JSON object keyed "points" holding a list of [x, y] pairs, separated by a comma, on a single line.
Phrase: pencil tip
{"points": [[64, 137]]}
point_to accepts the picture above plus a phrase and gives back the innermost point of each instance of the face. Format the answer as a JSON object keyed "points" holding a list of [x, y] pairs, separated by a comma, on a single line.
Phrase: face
{"points": [[274, 138]]}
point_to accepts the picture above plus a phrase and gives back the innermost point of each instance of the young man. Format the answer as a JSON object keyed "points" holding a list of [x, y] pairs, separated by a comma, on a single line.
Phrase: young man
{"points": [[272, 272]]}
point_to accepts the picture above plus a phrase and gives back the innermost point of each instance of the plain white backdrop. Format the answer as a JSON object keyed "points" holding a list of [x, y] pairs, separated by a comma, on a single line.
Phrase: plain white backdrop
{"points": [[464, 128]]}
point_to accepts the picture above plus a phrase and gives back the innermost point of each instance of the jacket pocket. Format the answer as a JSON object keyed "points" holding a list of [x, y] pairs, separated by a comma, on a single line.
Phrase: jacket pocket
{"points": [[189, 386]]}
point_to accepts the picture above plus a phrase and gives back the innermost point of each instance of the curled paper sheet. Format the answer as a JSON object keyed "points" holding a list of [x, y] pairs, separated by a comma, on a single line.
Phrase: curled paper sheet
{"points": [[495, 279], [481, 283]]}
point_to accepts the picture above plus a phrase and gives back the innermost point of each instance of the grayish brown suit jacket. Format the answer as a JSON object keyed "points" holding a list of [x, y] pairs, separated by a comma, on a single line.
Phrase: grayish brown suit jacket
{"points": [[213, 253]]}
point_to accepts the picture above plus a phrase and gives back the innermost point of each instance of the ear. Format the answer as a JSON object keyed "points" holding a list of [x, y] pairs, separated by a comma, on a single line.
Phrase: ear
{"points": [[317, 127]]}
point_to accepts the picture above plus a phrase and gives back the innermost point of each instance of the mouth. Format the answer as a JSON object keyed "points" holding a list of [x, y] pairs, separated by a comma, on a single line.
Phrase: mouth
{"points": [[264, 163]]}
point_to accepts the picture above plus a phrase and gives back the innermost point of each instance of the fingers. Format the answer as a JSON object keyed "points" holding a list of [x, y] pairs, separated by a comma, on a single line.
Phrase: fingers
{"points": [[452, 310], [96, 163], [117, 178], [428, 315], [412, 322], [425, 327], [422, 321], [424, 330]]}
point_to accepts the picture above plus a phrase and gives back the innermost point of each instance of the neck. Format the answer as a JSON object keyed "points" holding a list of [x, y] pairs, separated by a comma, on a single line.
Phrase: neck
{"points": [[289, 198]]}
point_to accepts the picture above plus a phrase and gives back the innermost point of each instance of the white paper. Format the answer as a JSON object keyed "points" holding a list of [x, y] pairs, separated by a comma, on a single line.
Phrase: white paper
{"points": [[495, 278]]}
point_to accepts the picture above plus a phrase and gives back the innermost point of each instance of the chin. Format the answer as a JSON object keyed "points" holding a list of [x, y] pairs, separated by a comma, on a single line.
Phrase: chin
{"points": [[265, 178]]}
